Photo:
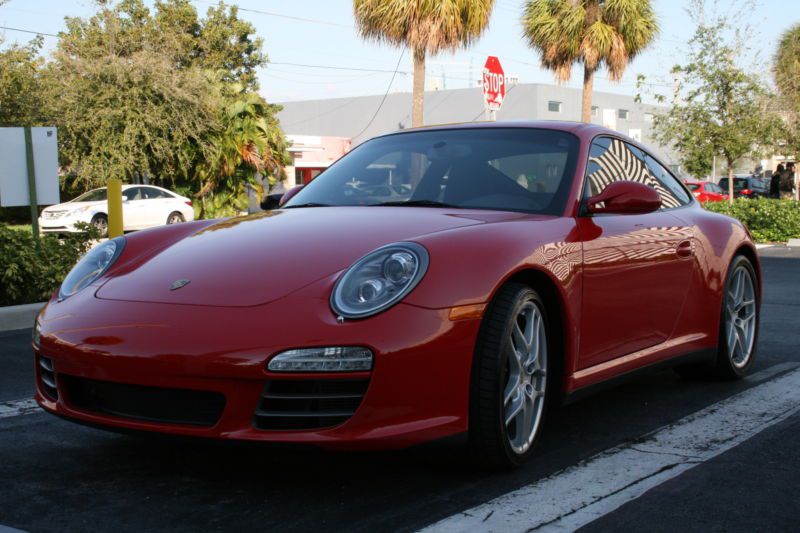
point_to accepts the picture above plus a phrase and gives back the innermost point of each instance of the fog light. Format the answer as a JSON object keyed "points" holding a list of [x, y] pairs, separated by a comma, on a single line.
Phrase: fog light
{"points": [[323, 359]]}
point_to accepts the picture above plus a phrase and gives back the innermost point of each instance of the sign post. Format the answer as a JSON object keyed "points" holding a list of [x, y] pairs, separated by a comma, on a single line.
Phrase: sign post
{"points": [[31, 182], [494, 86]]}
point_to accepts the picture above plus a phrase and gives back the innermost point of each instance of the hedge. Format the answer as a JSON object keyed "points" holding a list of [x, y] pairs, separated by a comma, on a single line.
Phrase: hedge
{"points": [[769, 220], [29, 270]]}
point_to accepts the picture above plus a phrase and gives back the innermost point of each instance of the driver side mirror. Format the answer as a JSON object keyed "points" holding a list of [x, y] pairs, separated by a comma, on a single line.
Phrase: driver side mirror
{"points": [[288, 195], [275, 201], [625, 198]]}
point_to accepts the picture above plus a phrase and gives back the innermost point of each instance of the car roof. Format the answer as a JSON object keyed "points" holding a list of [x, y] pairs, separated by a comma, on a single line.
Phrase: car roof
{"points": [[581, 129]]}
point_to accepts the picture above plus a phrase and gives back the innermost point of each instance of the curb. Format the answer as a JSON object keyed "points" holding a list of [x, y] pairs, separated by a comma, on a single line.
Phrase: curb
{"points": [[19, 316]]}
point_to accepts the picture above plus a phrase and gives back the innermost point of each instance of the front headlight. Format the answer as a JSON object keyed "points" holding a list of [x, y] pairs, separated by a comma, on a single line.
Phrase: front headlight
{"points": [[91, 266], [379, 280]]}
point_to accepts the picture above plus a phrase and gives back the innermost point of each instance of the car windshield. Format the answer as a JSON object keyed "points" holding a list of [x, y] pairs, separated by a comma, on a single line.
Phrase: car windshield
{"points": [[96, 195], [738, 183], [693, 186], [510, 169]]}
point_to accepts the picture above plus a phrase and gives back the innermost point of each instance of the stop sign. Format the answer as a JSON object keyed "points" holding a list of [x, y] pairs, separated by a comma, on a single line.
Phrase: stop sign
{"points": [[494, 84]]}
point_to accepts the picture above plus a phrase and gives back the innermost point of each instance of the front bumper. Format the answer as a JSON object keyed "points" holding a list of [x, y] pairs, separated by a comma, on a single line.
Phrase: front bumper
{"points": [[418, 389], [58, 225]]}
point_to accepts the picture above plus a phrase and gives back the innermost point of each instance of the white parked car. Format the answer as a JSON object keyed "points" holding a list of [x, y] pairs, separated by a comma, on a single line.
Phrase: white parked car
{"points": [[143, 206]]}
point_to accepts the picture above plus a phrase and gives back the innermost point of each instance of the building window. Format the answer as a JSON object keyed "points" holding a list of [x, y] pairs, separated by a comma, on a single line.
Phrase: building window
{"points": [[623, 114], [553, 106], [595, 110], [648, 117]]}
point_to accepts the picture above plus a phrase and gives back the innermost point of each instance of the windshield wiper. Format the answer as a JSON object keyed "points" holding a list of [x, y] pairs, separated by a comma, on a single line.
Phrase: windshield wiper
{"points": [[308, 204], [419, 203]]}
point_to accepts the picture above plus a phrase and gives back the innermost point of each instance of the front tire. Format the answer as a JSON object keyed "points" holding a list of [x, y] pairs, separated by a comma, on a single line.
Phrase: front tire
{"points": [[100, 222], [509, 389]]}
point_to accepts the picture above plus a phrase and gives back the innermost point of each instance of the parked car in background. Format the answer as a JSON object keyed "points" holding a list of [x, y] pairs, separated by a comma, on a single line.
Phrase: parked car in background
{"points": [[143, 206], [746, 187], [706, 191]]}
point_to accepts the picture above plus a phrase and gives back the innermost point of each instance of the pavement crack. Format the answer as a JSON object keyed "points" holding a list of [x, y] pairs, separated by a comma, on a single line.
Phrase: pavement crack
{"points": [[670, 454], [485, 518]]}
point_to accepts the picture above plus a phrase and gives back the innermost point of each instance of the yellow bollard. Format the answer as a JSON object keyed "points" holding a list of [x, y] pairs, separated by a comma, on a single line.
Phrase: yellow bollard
{"points": [[114, 208]]}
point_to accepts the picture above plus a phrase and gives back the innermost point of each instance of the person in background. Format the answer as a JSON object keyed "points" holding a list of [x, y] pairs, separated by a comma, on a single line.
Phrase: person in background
{"points": [[787, 182], [794, 180], [775, 182]]}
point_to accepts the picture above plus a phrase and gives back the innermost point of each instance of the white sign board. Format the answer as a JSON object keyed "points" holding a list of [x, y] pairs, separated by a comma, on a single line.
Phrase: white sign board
{"points": [[14, 166]]}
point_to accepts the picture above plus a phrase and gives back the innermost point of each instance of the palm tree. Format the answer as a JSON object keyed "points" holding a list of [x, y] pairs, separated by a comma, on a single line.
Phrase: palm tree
{"points": [[426, 27], [249, 140], [592, 32]]}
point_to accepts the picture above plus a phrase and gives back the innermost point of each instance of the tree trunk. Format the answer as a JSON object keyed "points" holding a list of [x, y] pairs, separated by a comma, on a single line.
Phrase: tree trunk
{"points": [[418, 94], [730, 182], [586, 103]]}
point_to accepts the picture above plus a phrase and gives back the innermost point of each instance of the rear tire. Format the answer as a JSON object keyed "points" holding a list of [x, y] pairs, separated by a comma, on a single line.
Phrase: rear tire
{"points": [[509, 390], [175, 218], [738, 326]]}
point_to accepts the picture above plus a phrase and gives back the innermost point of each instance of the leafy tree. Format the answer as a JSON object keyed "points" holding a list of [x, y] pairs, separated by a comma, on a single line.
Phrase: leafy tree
{"points": [[221, 42], [591, 32], [787, 79], [427, 27], [123, 108], [719, 108], [164, 95], [21, 85]]}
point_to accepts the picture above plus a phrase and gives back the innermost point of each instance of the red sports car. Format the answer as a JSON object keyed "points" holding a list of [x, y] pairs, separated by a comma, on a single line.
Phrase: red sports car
{"points": [[526, 263], [706, 191]]}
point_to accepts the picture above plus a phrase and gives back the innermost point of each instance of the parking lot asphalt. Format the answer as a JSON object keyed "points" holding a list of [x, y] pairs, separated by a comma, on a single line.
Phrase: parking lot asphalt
{"points": [[58, 476]]}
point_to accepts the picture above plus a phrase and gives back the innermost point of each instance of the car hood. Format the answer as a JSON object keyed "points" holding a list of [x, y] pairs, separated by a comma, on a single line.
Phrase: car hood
{"points": [[71, 206], [257, 259]]}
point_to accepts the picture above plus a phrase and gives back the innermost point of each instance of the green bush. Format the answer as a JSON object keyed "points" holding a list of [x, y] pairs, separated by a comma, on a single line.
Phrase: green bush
{"points": [[767, 219], [31, 271]]}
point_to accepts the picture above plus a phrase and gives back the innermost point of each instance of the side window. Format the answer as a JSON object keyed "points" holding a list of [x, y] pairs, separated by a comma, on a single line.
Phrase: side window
{"points": [[615, 160], [672, 193], [132, 193], [152, 194]]}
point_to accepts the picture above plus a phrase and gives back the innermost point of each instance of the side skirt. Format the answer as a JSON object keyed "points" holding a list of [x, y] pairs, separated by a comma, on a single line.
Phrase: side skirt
{"points": [[707, 355]]}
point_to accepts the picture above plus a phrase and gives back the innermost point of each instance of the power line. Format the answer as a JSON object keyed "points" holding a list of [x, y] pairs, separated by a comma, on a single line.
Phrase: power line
{"points": [[283, 16], [338, 67], [28, 31], [402, 52]]}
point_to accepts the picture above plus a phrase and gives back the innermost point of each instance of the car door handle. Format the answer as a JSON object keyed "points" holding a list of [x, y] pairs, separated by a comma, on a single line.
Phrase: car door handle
{"points": [[684, 249]]}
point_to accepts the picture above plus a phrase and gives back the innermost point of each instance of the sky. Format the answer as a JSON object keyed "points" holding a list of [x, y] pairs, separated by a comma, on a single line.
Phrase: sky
{"points": [[302, 36]]}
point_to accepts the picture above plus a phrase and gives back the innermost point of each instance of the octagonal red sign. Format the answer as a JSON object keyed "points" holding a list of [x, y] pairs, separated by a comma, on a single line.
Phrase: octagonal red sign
{"points": [[494, 84]]}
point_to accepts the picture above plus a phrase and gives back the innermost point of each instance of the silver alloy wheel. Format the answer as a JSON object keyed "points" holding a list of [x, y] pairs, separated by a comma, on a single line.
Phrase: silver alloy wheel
{"points": [[174, 218], [740, 316], [523, 394]]}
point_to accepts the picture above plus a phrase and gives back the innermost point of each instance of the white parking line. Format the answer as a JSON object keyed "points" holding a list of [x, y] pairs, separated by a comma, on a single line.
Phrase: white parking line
{"points": [[584, 492], [18, 408]]}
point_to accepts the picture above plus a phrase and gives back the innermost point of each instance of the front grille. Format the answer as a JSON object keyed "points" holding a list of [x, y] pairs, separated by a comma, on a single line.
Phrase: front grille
{"points": [[47, 378], [308, 404], [137, 402]]}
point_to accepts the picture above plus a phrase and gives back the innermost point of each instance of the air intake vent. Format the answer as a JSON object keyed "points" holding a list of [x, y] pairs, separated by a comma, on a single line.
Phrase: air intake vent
{"points": [[138, 402], [308, 404], [47, 378]]}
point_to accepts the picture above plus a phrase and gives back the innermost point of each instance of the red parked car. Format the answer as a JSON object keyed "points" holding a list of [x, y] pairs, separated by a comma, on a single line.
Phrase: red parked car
{"points": [[706, 191], [527, 263]]}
